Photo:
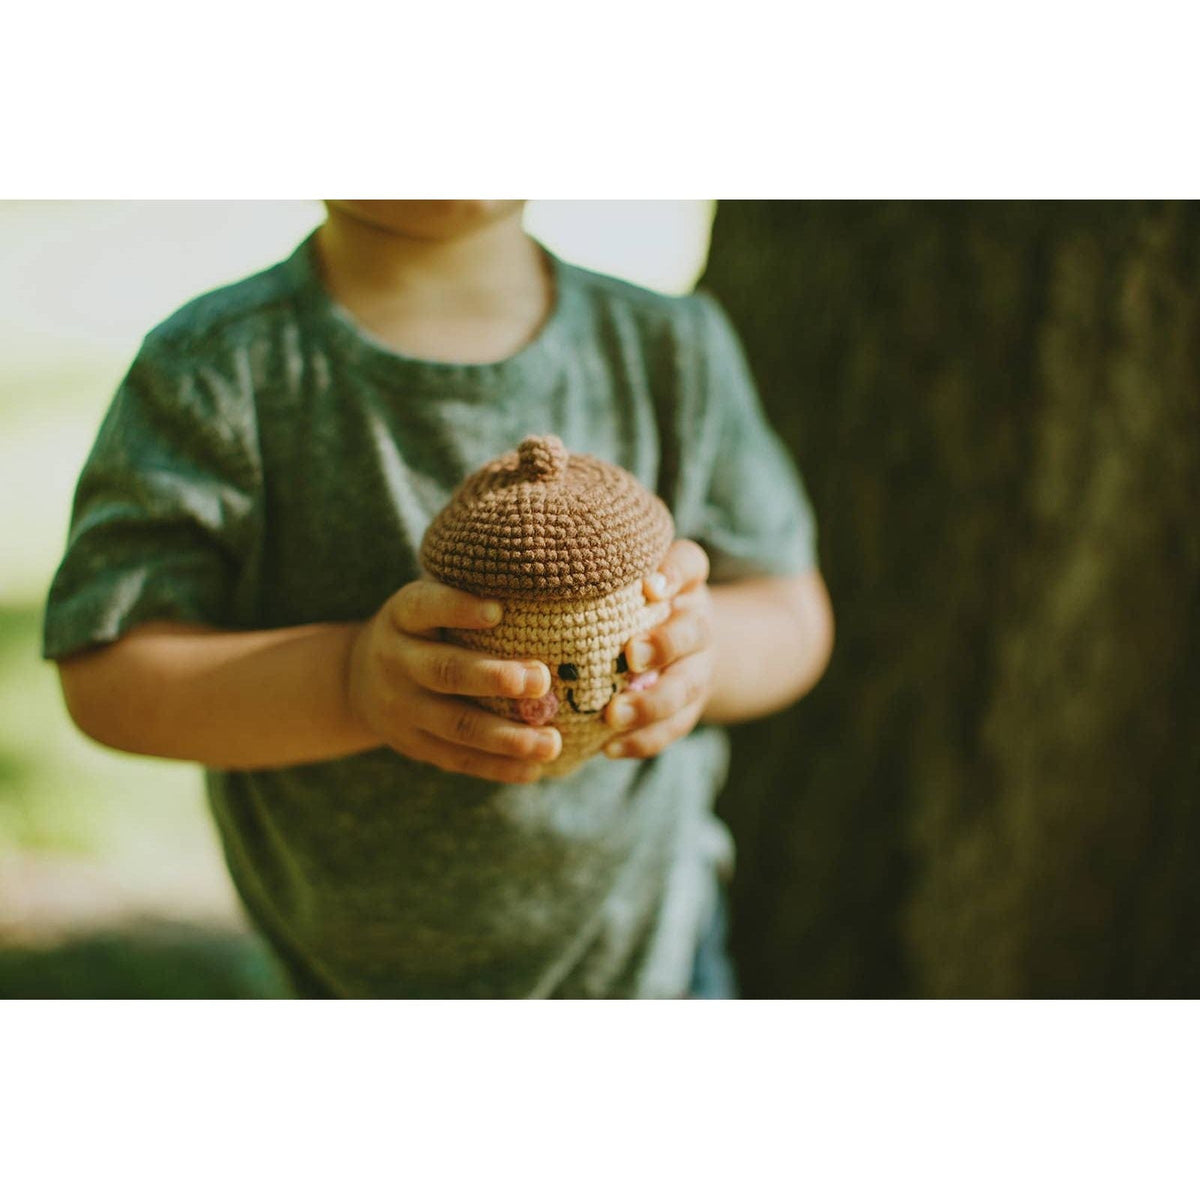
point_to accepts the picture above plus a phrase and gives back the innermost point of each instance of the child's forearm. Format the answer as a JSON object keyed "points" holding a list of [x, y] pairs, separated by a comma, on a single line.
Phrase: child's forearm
{"points": [[773, 639], [276, 698], [245, 701]]}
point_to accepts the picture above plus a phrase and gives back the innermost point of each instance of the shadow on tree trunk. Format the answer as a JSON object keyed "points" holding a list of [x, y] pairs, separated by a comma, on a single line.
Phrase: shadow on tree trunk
{"points": [[995, 791]]}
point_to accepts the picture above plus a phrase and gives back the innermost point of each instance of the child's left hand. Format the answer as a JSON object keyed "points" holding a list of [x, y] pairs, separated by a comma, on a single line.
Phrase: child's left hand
{"points": [[680, 650]]}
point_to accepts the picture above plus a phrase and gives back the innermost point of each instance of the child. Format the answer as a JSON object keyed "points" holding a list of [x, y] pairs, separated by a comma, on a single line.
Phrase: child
{"points": [[241, 589]]}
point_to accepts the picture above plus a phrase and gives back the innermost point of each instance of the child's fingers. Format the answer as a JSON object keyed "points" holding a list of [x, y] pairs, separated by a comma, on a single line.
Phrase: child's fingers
{"points": [[423, 606], [466, 724], [685, 566], [456, 671], [681, 634], [685, 684], [654, 739], [462, 760]]}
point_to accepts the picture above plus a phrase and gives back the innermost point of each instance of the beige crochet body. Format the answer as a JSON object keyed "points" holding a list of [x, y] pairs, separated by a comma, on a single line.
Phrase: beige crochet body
{"points": [[585, 636], [564, 542]]}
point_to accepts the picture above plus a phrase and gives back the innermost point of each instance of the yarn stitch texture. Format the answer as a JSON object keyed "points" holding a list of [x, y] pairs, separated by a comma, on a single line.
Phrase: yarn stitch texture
{"points": [[565, 541], [541, 522], [586, 637]]}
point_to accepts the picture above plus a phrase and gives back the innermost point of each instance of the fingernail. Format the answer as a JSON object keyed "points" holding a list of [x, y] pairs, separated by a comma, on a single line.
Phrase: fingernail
{"points": [[622, 714], [492, 613], [639, 656], [643, 683], [658, 583], [548, 745], [615, 749], [536, 680]]}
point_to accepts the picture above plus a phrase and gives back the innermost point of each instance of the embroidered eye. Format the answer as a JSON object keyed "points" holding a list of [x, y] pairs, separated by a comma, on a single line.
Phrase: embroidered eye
{"points": [[622, 664], [569, 672]]}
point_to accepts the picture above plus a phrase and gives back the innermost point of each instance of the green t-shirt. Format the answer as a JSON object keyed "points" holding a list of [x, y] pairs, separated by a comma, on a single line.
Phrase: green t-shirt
{"points": [[266, 463]]}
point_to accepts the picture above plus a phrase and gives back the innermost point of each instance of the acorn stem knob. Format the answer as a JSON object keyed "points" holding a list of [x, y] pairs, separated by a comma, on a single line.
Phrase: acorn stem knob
{"points": [[542, 458]]}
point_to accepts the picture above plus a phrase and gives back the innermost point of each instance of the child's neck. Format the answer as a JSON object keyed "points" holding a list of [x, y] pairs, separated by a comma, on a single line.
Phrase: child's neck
{"points": [[475, 298]]}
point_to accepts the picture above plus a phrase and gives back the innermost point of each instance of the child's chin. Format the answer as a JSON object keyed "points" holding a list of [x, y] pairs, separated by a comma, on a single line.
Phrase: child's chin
{"points": [[432, 220]]}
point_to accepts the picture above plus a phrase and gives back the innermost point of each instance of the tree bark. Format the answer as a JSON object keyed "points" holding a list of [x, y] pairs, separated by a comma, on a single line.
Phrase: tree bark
{"points": [[995, 791]]}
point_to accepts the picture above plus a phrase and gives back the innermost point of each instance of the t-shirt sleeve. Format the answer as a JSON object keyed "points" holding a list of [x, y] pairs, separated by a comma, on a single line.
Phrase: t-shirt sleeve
{"points": [[164, 508], [757, 518]]}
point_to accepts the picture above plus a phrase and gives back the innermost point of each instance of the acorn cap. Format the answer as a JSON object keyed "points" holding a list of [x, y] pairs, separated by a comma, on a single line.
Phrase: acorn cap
{"points": [[540, 522]]}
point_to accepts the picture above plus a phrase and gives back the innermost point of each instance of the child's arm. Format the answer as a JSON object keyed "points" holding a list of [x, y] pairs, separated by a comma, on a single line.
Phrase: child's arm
{"points": [[773, 639], [728, 653], [255, 700]]}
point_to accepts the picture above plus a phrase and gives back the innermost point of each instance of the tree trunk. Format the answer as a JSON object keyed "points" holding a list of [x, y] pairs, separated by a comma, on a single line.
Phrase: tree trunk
{"points": [[995, 791]]}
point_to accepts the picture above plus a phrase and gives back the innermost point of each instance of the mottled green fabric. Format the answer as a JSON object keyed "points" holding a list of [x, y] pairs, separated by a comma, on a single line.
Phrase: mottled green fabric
{"points": [[266, 463]]}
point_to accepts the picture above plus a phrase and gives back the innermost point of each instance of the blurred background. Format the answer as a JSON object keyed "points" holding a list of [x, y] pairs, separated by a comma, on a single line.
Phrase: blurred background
{"points": [[994, 792], [111, 879]]}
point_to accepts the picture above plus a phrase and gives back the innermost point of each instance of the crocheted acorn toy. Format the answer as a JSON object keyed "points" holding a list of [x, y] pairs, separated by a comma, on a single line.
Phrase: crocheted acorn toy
{"points": [[564, 541]]}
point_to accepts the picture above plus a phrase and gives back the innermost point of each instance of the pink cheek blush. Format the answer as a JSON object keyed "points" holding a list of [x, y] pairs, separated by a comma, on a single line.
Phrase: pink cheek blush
{"points": [[536, 712], [640, 683]]}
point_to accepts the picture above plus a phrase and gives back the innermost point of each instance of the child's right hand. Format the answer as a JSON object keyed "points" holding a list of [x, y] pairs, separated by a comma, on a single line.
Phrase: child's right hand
{"points": [[404, 685]]}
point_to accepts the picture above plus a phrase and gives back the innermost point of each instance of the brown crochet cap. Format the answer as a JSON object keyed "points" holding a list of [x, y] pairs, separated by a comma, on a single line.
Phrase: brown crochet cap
{"points": [[539, 522]]}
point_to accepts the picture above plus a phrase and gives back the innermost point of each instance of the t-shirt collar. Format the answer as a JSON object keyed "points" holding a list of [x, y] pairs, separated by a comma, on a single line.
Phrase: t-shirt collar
{"points": [[536, 364]]}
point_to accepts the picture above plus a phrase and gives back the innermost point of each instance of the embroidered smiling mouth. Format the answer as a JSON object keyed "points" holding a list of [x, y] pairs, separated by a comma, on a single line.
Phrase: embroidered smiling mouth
{"points": [[584, 712]]}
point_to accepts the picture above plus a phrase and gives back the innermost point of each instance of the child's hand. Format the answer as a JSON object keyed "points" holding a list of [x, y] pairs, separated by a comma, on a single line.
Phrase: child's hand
{"points": [[680, 650], [403, 685]]}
